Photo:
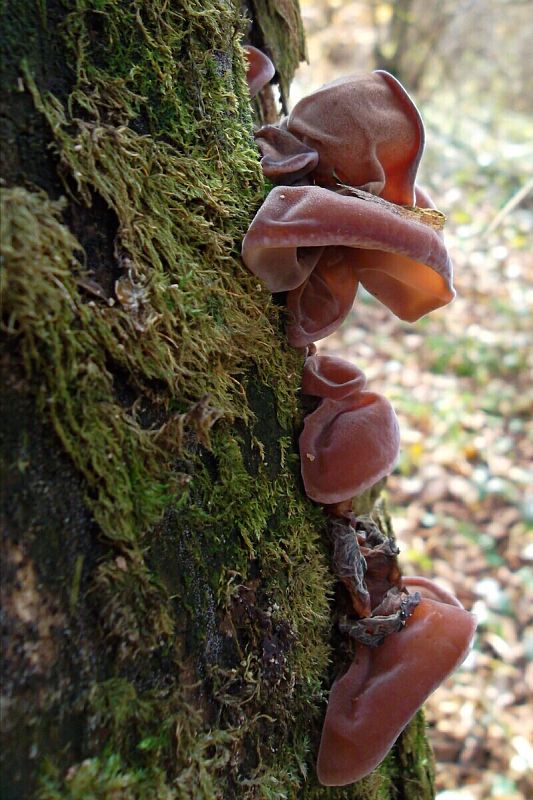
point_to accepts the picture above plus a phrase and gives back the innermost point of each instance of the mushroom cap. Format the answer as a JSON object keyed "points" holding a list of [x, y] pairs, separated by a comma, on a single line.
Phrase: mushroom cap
{"points": [[400, 259], [430, 589], [372, 703], [366, 131], [331, 377], [285, 159], [321, 304], [260, 70], [351, 441]]}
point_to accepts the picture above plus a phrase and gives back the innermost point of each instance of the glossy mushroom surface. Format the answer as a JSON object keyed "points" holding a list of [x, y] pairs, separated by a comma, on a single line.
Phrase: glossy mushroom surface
{"points": [[260, 69], [341, 241], [347, 156], [373, 701], [365, 131], [351, 440], [430, 590]]}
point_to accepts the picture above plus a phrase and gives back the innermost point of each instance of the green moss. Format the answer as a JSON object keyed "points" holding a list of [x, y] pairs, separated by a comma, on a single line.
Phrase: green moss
{"points": [[127, 473], [103, 779], [416, 761], [283, 34]]}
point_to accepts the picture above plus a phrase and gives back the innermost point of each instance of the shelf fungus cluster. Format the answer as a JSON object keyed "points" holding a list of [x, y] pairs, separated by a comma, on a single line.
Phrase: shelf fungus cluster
{"points": [[345, 210]]}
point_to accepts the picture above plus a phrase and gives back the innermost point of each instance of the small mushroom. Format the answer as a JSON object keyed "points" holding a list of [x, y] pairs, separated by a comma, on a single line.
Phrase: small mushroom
{"points": [[351, 440], [383, 688], [330, 376], [260, 70], [285, 159], [430, 589]]}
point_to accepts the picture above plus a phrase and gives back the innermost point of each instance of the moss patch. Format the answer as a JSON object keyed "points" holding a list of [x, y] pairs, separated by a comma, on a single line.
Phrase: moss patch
{"points": [[282, 33]]}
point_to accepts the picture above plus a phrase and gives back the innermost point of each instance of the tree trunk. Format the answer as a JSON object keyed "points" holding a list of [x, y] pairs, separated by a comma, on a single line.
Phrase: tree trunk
{"points": [[167, 585]]}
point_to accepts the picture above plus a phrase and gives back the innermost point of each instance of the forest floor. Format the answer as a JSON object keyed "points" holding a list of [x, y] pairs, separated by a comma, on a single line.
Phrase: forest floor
{"points": [[462, 494]]}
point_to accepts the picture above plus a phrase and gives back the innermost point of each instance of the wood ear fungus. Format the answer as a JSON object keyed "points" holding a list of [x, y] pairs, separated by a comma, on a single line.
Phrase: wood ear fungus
{"points": [[383, 688], [322, 244], [347, 211], [365, 131], [260, 70], [351, 440]]}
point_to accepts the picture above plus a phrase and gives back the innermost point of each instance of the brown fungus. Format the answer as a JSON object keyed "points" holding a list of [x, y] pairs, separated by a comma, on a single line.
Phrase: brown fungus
{"points": [[321, 244], [365, 131], [351, 440], [285, 159], [373, 701], [260, 69], [347, 212]]}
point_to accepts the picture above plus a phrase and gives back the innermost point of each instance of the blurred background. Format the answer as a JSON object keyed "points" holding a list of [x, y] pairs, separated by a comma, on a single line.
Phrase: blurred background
{"points": [[461, 378]]}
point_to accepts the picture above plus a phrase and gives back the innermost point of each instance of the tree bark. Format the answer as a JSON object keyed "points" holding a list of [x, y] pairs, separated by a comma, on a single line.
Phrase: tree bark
{"points": [[167, 585]]}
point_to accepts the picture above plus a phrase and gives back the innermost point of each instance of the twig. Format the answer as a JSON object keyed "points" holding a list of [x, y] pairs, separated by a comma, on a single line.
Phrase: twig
{"points": [[510, 206]]}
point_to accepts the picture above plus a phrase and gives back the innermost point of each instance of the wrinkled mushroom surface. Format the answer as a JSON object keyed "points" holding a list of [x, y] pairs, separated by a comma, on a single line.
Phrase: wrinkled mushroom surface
{"points": [[372, 703], [285, 159], [319, 235], [321, 244], [351, 440], [364, 130]]}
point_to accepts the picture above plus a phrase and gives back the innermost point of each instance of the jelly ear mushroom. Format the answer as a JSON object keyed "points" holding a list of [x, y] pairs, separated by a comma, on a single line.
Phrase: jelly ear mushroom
{"points": [[411, 287], [320, 305], [393, 253], [285, 159], [351, 441], [429, 589], [260, 69], [384, 687], [330, 376], [367, 132]]}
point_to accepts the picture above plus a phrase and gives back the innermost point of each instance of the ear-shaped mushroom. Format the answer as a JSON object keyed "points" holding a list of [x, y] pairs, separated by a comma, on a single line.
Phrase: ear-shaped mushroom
{"points": [[323, 301], [384, 687], [285, 159], [397, 257], [367, 132], [331, 377], [351, 440], [430, 589], [260, 70], [402, 275]]}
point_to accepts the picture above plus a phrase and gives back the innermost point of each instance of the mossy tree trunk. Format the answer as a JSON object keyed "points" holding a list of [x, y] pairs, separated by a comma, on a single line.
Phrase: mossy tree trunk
{"points": [[167, 585]]}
